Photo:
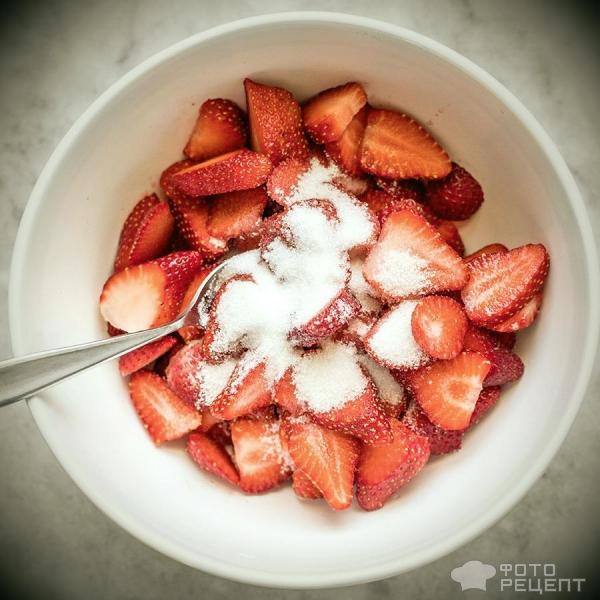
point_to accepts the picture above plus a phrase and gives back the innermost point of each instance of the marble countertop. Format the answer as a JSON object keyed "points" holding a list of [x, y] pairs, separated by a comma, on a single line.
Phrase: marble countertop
{"points": [[55, 58]]}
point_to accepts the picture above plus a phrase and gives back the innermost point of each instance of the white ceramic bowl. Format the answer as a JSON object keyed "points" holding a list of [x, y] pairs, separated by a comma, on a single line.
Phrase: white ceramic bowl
{"points": [[114, 154]]}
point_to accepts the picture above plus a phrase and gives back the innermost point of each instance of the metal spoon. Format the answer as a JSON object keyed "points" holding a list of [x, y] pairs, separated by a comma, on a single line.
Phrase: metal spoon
{"points": [[25, 376]]}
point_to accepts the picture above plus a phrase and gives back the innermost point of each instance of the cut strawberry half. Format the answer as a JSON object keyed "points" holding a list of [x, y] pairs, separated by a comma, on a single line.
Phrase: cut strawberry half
{"points": [[448, 390], [150, 294], [383, 470], [345, 151], [397, 147], [146, 233], [260, 459], [456, 197], [275, 122], [303, 487], [181, 373], [193, 332], [284, 178], [328, 321], [487, 400], [356, 331], [383, 205], [246, 392], [451, 235], [162, 362], [402, 188], [220, 128], [501, 284], [141, 357], [211, 456], [411, 258], [329, 113], [328, 458], [440, 440], [284, 395], [439, 325], [166, 416], [236, 213], [505, 365], [522, 318], [489, 249], [237, 170], [166, 177]]}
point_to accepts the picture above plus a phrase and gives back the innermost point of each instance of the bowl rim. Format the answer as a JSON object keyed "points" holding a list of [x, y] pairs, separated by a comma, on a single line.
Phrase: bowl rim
{"points": [[504, 503]]}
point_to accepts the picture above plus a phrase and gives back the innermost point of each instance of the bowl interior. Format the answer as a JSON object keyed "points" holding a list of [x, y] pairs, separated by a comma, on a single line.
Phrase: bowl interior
{"points": [[117, 153]]}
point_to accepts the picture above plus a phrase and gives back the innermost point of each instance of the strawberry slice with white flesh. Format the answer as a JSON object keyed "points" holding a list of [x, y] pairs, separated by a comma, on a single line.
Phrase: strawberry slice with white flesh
{"points": [[166, 416], [345, 151], [411, 259], [328, 458], [383, 470], [448, 390], [211, 456], [150, 294], [522, 318], [236, 213], [141, 357]]}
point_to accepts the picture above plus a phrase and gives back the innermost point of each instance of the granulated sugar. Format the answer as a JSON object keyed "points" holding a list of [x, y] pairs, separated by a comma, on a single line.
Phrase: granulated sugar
{"points": [[401, 273], [213, 379], [361, 289], [389, 389]]}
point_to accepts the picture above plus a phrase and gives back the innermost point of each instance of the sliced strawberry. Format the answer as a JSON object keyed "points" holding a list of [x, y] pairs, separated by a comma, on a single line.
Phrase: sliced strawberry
{"points": [[439, 325], [383, 205], [275, 122], [166, 177], [451, 235], [284, 178], [162, 362], [505, 366], [397, 147], [328, 321], [237, 170], [327, 115], [501, 284], [303, 487], [166, 416], [146, 233], [328, 458], [261, 462], [191, 218], [402, 188], [236, 213], [448, 390], [506, 339], [284, 395], [440, 440], [411, 258], [456, 197], [208, 420], [356, 331], [345, 151], [138, 359], [211, 456], [487, 399], [113, 331], [150, 294], [220, 128], [362, 418], [383, 470], [246, 392], [522, 318], [182, 372], [193, 332], [248, 241], [489, 249]]}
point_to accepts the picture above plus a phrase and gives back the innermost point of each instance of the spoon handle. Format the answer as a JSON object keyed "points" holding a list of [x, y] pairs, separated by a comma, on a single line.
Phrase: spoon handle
{"points": [[23, 377]]}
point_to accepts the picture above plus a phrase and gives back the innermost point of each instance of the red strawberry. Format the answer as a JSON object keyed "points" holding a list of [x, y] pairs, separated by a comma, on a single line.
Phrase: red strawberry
{"points": [[138, 359], [356, 331], [208, 420], [456, 197], [166, 416], [439, 325], [220, 128], [383, 470], [193, 332], [191, 217], [237, 170], [505, 366], [248, 241], [113, 331], [246, 392], [506, 339], [329, 113], [487, 399], [345, 151], [258, 454], [146, 233], [411, 258], [149, 294], [328, 458], [489, 249], [182, 372], [383, 205], [275, 122], [397, 147], [162, 362], [166, 177], [451, 235], [211, 456], [522, 318], [284, 395], [236, 213], [303, 487], [448, 390], [402, 188], [329, 320], [440, 440], [284, 178], [501, 284]]}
